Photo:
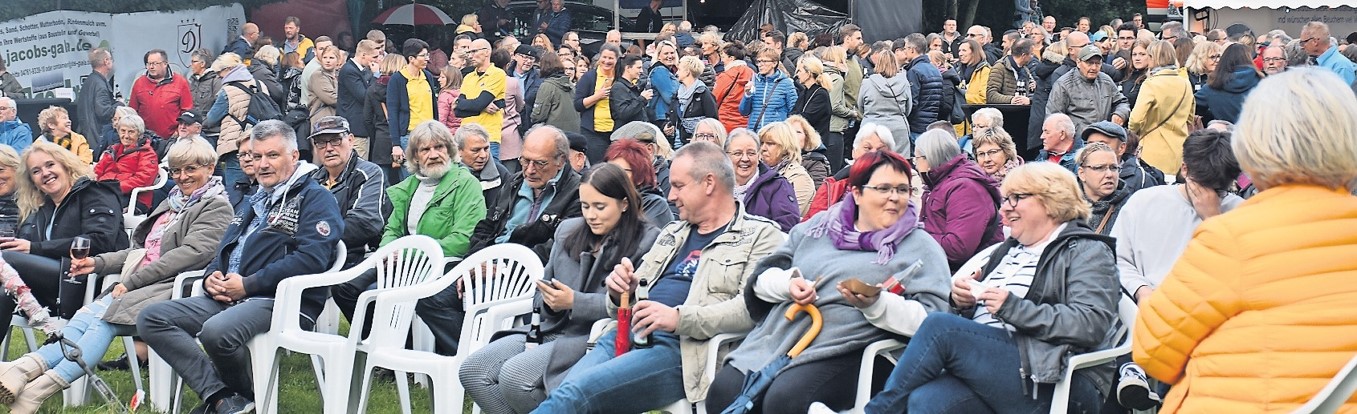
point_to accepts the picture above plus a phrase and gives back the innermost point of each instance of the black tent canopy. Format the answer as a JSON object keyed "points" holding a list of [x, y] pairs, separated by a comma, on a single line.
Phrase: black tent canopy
{"points": [[879, 19]]}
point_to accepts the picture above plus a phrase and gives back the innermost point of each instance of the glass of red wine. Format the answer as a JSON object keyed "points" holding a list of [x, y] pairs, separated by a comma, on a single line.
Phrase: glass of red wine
{"points": [[80, 249]]}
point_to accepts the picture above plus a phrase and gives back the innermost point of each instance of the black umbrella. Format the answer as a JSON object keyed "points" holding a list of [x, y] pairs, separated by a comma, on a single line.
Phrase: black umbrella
{"points": [[757, 382]]}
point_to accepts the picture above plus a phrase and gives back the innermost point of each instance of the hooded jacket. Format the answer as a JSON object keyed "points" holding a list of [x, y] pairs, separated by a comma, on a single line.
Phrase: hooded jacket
{"points": [[728, 93], [887, 102], [360, 191], [842, 105], [17, 135], [925, 81], [1070, 308], [772, 101], [231, 104], [91, 209], [300, 239], [771, 196], [553, 106], [1087, 101], [961, 209], [131, 168], [1226, 103], [265, 75]]}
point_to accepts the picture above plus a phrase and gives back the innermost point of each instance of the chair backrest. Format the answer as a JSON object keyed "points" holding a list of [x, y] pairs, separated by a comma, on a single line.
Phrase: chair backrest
{"points": [[1126, 311], [162, 177], [410, 261], [976, 262], [1332, 397], [341, 256], [499, 272]]}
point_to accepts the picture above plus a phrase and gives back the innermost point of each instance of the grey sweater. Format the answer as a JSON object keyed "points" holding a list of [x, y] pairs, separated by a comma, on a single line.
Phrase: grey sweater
{"points": [[846, 330]]}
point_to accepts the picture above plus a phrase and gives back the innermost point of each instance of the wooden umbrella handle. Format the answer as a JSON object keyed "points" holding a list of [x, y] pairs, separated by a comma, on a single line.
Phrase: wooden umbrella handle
{"points": [[816, 323]]}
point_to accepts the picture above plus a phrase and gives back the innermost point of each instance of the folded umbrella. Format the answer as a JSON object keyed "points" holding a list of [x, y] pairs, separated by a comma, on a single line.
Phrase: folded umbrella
{"points": [[758, 381]]}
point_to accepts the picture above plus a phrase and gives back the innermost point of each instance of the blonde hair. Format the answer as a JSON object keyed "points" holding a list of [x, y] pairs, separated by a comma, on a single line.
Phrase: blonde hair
{"points": [[227, 60], [692, 65], [1051, 185], [1081, 157], [393, 62], [268, 54], [884, 58], [999, 137], [470, 19], [1311, 144], [1196, 62], [30, 197], [49, 116], [816, 69], [812, 140], [1161, 53], [450, 79], [836, 55], [192, 151], [780, 133], [797, 40], [1056, 52]]}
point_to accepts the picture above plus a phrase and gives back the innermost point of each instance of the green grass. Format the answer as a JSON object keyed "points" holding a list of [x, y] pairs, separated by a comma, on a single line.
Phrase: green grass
{"points": [[298, 392]]}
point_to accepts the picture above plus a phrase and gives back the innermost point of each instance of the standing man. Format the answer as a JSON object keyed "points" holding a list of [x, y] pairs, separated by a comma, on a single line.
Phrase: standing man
{"points": [[1314, 38], [1139, 21], [203, 82], [243, 46], [951, 39], [296, 41], [496, 22], [1048, 23], [926, 83], [1087, 94], [159, 96], [1126, 40], [555, 23], [358, 185], [650, 20], [95, 105], [1274, 59], [291, 227], [310, 69], [354, 79], [483, 90], [524, 67], [1084, 25], [614, 38]]}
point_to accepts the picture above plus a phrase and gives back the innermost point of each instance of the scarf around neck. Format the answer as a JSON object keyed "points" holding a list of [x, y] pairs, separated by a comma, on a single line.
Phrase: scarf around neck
{"points": [[179, 201], [839, 226]]}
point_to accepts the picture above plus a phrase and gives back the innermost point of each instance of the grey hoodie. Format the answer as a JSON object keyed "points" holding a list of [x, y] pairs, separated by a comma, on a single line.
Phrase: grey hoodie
{"points": [[887, 102]]}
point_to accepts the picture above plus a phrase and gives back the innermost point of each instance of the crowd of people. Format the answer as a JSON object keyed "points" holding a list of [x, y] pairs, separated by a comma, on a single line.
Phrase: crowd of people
{"points": [[715, 186]]}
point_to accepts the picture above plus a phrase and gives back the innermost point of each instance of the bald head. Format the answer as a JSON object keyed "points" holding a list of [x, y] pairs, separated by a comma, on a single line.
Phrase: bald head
{"points": [[1076, 40], [480, 54], [250, 31]]}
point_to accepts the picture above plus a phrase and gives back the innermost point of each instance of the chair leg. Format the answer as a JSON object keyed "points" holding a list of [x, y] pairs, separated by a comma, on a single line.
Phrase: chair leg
{"points": [[264, 365], [163, 383], [133, 362]]}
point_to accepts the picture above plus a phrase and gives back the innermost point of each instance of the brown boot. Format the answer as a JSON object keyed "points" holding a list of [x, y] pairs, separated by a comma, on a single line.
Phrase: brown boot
{"points": [[36, 392], [15, 375]]}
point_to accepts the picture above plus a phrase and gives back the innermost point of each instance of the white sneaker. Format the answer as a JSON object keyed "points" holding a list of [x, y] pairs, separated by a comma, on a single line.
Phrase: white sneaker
{"points": [[819, 408]]}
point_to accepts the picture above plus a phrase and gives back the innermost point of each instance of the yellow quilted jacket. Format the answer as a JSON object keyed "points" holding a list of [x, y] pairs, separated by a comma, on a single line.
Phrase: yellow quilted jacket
{"points": [[1260, 312]]}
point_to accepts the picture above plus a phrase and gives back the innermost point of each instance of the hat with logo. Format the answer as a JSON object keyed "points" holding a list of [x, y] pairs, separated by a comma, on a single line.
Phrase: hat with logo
{"points": [[1088, 52]]}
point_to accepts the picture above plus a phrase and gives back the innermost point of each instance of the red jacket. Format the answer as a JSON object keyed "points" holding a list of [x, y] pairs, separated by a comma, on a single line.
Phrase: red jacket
{"points": [[728, 92], [830, 192], [137, 168], [160, 103]]}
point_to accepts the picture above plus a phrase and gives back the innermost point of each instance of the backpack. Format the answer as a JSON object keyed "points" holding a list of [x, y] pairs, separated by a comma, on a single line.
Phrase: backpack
{"points": [[262, 107]]}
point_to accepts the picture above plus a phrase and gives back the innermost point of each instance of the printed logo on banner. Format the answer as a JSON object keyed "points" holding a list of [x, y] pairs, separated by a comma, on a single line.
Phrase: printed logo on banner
{"points": [[190, 39]]}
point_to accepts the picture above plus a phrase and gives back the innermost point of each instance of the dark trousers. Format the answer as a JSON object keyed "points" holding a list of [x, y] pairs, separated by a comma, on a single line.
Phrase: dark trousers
{"points": [[598, 143], [834, 150], [832, 381], [44, 276], [442, 312], [223, 363]]}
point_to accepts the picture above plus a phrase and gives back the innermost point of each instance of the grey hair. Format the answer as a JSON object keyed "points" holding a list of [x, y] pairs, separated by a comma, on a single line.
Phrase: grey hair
{"points": [[10, 100], [1064, 122], [996, 118], [917, 42], [433, 130], [133, 121], [741, 132], [1279, 37], [203, 55], [268, 54], [123, 111], [193, 150], [1296, 55], [1312, 144], [937, 146], [274, 128], [709, 159], [557, 135], [715, 125], [882, 133], [467, 131]]}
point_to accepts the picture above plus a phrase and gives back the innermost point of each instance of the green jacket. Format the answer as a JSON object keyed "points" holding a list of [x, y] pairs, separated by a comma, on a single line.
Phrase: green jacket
{"points": [[456, 207]]}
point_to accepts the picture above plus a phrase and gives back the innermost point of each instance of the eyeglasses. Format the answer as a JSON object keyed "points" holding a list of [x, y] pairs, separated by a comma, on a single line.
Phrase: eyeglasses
{"points": [[537, 164], [318, 144], [704, 136], [1308, 40], [245, 156], [915, 159], [154, 63], [187, 169], [1013, 199], [889, 189], [1102, 168], [988, 154], [422, 56], [743, 154]]}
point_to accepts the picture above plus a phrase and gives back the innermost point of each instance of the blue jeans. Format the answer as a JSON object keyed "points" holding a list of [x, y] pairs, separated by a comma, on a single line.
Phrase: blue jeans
{"points": [[89, 331], [494, 150], [950, 358], [230, 171], [638, 381]]}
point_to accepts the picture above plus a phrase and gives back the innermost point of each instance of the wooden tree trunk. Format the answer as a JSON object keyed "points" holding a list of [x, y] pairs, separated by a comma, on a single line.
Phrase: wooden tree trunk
{"points": [[968, 19]]}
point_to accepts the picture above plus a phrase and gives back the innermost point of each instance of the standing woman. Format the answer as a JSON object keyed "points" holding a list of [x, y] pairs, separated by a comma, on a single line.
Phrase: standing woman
{"points": [[553, 106], [511, 142], [960, 207], [56, 127], [450, 85], [730, 86], [780, 150], [1229, 83], [771, 96], [842, 107], [886, 95], [974, 71], [324, 84], [813, 101], [593, 101], [229, 111], [59, 201], [507, 377], [385, 151], [1204, 59], [1163, 110], [693, 102], [1140, 69], [664, 81], [628, 99], [410, 94]]}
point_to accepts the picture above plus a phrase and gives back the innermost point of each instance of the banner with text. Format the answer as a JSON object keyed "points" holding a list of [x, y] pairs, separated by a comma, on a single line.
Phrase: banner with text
{"points": [[51, 50]]}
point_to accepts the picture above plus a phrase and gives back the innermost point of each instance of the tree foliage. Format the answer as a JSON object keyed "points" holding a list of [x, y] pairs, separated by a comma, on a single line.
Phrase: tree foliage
{"points": [[15, 9]]}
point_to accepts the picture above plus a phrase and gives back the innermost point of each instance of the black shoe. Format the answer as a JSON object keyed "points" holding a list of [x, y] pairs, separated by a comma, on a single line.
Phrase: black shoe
{"points": [[235, 404], [119, 364], [1133, 389], [200, 409]]}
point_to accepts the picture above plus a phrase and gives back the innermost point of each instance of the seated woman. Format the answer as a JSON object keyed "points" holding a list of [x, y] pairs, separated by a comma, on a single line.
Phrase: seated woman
{"points": [[506, 376], [813, 157], [132, 161], [763, 191], [779, 148], [56, 127], [960, 208], [180, 235], [58, 201], [871, 236], [995, 152], [9, 202], [1047, 292], [1100, 179], [871, 137], [635, 160]]}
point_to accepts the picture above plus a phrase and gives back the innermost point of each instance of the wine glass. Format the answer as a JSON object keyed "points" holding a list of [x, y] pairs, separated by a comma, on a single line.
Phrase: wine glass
{"points": [[80, 249]]}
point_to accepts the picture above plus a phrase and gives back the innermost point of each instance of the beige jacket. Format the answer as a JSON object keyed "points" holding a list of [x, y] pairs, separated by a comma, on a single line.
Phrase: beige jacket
{"points": [[801, 183], [237, 107], [715, 304]]}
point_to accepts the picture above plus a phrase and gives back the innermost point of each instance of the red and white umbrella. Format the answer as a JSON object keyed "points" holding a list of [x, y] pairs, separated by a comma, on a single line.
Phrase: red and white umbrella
{"points": [[413, 15]]}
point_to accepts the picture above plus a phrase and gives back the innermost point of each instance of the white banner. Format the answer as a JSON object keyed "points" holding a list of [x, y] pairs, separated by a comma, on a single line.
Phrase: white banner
{"points": [[51, 50]]}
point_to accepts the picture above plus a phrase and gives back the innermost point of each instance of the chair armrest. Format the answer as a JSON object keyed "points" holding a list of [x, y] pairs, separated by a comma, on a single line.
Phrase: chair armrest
{"points": [[1060, 399], [867, 368], [600, 327], [714, 348], [183, 280]]}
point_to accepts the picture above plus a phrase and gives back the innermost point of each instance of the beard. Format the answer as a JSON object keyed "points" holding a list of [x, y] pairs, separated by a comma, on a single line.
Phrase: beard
{"points": [[433, 171]]}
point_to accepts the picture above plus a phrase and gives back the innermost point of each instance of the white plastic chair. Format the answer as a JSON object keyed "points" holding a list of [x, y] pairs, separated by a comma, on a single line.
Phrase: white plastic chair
{"points": [[1332, 397], [1126, 310], [79, 390], [407, 261], [883, 348], [498, 284], [714, 356], [74, 395], [130, 217]]}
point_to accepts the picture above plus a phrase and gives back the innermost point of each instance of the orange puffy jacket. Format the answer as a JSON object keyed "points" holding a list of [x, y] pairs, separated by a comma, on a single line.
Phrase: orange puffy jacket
{"points": [[729, 90]]}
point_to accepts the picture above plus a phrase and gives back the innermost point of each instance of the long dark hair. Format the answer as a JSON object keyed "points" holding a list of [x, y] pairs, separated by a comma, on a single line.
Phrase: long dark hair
{"points": [[1234, 57], [611, 181]]}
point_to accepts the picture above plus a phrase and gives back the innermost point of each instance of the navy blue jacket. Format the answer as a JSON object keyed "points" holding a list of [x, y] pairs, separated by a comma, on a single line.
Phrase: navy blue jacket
{"points": [[353, 92], [301, 239], [929, 93], [583, 89], [1226, 103], [398, 103], [240, 47], [532, 81]]}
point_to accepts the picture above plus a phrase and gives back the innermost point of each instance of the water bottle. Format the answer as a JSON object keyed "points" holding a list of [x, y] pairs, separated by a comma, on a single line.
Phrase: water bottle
{"points": [[642, 293]]}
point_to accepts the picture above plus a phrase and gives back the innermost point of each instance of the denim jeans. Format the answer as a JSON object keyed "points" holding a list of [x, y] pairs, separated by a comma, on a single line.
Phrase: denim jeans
{"points": [[951, 358], [494, 150], [230, 171], [223, 362], [89, 331], [638, 381]]}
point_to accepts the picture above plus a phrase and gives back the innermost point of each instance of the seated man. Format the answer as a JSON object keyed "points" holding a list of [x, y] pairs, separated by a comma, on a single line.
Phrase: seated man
{"points": [[358, 185], [1058, 142], [1157, 223], [701, 263], [290, 227], [439, 199], [473, 144]]}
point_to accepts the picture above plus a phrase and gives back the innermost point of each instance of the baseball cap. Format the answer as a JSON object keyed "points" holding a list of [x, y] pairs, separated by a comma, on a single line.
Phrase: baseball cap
{"points": [[1098, 36], [1088, 52], [577, 141], [330, 125], [189, 118], [528, 50], [1105, 128]]}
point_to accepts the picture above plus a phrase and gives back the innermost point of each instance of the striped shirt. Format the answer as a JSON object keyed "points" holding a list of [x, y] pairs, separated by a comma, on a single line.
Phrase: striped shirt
{"points": [[1015, 273]]}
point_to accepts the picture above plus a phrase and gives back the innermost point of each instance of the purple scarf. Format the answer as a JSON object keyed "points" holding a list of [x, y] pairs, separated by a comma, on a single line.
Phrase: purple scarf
{"points": [[839, 225]]}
